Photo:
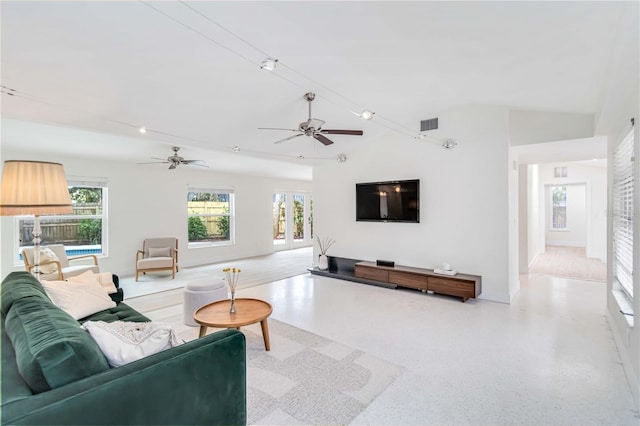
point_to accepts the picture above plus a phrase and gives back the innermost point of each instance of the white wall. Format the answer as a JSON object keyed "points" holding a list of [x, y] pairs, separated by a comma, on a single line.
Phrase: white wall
{"points": [[532, 127], [464, 200], [150, 201], [535, 221]]}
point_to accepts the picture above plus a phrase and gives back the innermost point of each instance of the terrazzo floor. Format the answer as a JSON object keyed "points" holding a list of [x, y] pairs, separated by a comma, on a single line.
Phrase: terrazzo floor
{"points": [[547, 359]]}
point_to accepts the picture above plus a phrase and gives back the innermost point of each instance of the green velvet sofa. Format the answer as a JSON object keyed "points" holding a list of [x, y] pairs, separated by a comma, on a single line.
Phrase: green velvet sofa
{"points": [[54, 373]]}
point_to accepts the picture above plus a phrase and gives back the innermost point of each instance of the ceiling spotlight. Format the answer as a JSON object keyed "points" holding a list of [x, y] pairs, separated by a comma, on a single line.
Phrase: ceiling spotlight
{"points": [[301, 157], [449, 143], [268, 64], [236, 148], [341, 158], [142, 129], [367, 115]]}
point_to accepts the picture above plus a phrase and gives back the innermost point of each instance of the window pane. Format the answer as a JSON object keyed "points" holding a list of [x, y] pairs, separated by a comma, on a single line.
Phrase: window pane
{"points": [[210, 216], [279, 218], [80, 232], [559, 209], [298, 217]]}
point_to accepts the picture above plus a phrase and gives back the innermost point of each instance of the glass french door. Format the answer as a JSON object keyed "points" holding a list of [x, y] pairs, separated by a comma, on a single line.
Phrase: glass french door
{"points": [[292, 220]]}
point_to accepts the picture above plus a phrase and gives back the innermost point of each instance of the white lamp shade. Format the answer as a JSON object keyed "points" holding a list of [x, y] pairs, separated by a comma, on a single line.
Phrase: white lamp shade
{"points": [[34, 188]]}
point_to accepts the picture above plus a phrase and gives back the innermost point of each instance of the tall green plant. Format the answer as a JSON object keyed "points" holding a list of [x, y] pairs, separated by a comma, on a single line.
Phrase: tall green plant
{"points": [[90, 230], [223, 225], [197, 230]]}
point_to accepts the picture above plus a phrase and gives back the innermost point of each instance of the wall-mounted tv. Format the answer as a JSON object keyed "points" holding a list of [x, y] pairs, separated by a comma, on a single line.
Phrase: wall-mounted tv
{"points": [[391, 201]]}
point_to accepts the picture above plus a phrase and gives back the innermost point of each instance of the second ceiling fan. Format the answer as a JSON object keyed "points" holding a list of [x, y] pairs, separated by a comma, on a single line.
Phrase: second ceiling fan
{"points": [[313, 127]]}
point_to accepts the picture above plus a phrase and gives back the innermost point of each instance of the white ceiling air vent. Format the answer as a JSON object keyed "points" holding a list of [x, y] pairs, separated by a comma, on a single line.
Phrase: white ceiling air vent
{"points": [[430, 124]]}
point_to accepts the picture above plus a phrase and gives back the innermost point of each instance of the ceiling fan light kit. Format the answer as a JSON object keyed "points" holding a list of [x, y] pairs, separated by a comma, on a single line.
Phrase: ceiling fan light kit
{"points": [[313, 127]]}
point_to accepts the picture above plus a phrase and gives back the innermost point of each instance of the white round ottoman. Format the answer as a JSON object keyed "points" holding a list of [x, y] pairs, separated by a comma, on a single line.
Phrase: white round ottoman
{"points": [[200, 293]]}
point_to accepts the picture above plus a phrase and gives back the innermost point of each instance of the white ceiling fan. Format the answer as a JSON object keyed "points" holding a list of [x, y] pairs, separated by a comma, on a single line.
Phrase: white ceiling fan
{"points": [[175, 160], [313, 127]]}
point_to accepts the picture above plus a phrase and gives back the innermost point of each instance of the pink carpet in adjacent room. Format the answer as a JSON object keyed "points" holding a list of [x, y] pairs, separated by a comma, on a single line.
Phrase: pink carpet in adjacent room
{"points": [[569, 262]]}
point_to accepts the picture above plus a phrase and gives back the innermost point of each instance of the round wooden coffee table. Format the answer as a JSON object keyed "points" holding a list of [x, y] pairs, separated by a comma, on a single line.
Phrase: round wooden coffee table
{"points": [[248, 311]]}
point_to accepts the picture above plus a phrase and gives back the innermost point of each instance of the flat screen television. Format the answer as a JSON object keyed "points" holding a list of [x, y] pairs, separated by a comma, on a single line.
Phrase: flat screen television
{"points": [[391, 201]]}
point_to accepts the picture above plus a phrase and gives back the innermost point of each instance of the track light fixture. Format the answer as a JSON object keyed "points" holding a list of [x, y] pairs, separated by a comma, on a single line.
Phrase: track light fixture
{"points": [[449, 143], [367, 115], [268, 64]]}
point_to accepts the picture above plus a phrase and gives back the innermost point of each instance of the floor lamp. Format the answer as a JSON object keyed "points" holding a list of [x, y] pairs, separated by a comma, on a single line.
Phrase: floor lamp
{"points": [[34, 188]]}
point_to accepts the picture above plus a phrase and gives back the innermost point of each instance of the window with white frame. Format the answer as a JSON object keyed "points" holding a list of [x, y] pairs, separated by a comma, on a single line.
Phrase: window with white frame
{"points": [[82, 232], [559, 207], [623, 183], [210, 216]]}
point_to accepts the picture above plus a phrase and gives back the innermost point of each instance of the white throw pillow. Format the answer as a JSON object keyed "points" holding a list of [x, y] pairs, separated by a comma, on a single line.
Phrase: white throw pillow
{"points": [[123, 342], [104, 279], [46, 255], [78, 299], [160, 252]]}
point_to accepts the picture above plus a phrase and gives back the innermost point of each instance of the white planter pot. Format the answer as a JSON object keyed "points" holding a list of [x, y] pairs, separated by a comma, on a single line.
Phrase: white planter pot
{"points": [[323, 262]]}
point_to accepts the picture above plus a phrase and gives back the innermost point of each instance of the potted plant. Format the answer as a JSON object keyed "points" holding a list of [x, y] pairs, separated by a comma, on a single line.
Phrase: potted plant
{"points": [[324, 244]]}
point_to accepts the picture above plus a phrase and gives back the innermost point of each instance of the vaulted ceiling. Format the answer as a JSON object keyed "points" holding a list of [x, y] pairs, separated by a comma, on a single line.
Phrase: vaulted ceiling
{"points": [[190, 72]]}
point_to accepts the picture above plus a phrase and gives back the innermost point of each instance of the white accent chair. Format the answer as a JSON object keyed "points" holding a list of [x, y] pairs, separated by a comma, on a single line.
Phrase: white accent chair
{"points": [[201, 292], [158, 254], [62, 268]]}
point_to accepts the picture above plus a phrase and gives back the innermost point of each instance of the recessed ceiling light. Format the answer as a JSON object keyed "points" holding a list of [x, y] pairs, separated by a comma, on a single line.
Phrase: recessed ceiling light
{"points": [[367, 115], [268, 64], [341, 158], [142, 129], [236, 148]]}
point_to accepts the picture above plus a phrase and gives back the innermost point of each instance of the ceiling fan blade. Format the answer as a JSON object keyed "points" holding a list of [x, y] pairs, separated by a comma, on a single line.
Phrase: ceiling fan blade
{"points": [[342, 132], [276, 128], [324, 140], [172, 166], [154, 162], [161, 159], [289, 138], [200, 163]]}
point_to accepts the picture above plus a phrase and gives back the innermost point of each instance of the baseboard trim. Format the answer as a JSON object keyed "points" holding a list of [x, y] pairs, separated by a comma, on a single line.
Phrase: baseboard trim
{"points": [[632, 380]]}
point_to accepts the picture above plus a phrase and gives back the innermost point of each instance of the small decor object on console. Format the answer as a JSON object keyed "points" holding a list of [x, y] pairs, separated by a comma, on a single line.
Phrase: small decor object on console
{"points": [[445, 270], [324, 244], [232, 275]]}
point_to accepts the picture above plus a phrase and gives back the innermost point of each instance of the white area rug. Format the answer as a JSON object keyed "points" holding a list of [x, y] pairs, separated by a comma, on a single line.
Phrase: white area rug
{"points": [[308, 379]]}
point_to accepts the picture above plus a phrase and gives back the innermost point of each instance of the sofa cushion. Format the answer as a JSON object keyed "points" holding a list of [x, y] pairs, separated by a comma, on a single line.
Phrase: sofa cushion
{"points": [[19, 285], [51, 348], [122, 312], [155, 262], [159, 251], [78, 300], [47, 255], [123, 342]]}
